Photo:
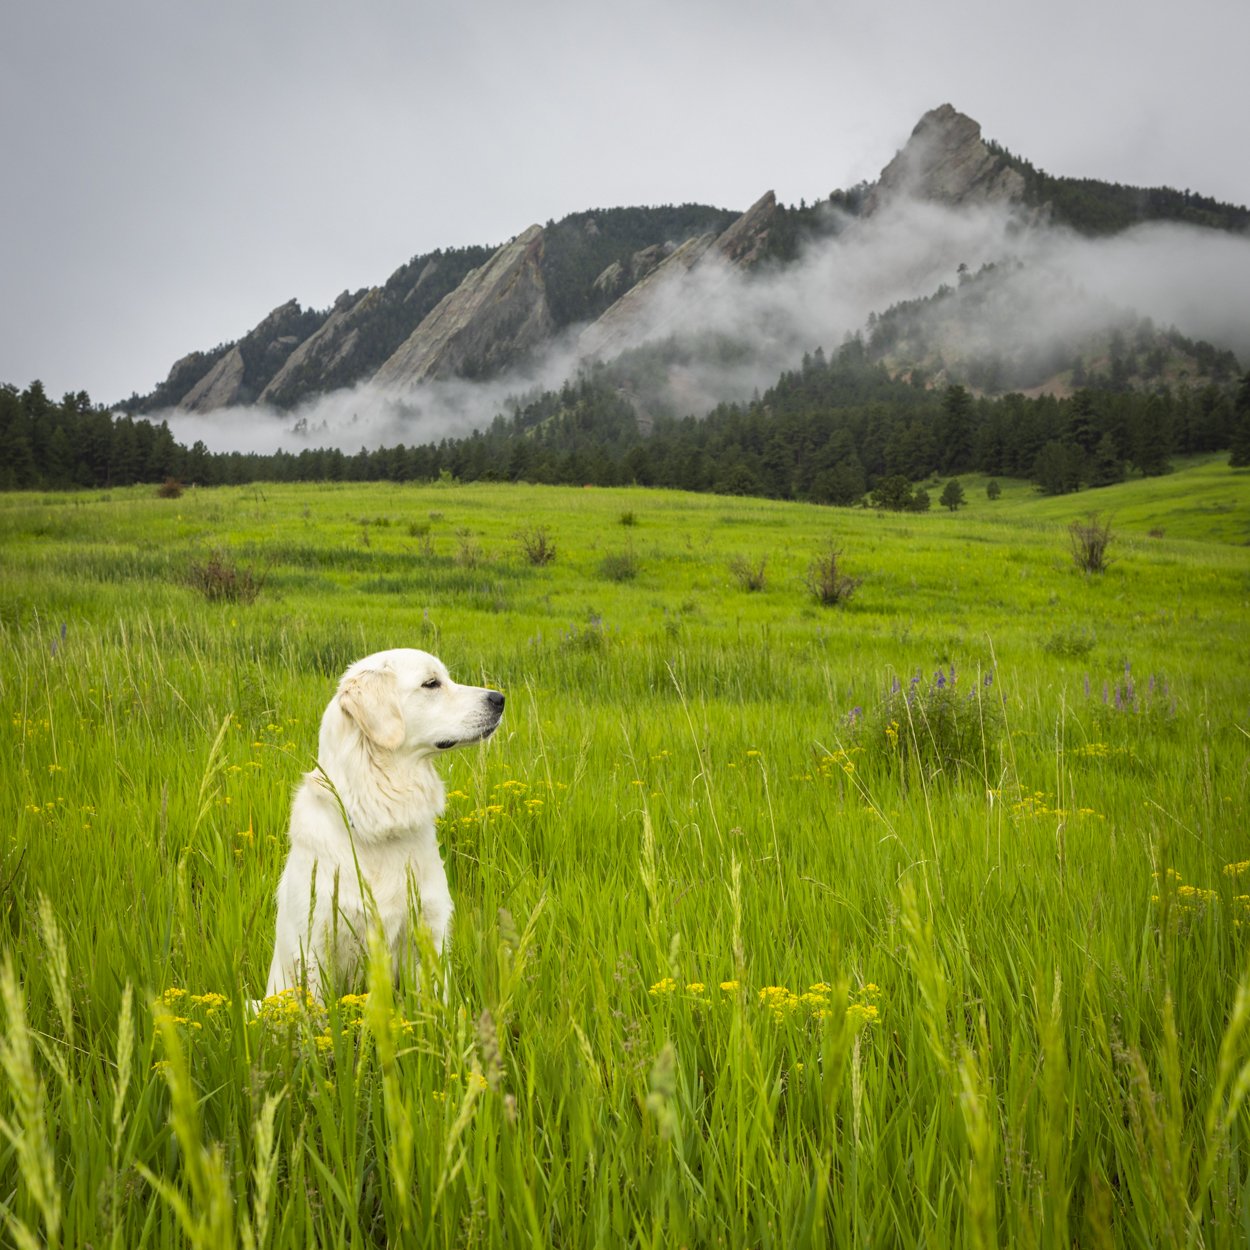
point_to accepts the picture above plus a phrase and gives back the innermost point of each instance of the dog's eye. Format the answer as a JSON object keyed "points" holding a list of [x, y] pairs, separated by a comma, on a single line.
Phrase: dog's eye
{"points": [[432, 684]]}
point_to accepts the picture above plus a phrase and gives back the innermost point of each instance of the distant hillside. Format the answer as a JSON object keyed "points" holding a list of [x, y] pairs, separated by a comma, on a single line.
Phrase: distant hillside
{"points": [[989, 332], [1097, 208]]}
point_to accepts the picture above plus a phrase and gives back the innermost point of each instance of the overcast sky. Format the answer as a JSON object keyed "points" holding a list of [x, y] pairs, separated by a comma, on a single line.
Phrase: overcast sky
{"points": [[173, 170]]}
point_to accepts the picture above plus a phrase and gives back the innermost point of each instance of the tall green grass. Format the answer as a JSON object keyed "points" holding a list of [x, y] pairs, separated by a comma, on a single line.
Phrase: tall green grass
{"points": [[751, 947]]}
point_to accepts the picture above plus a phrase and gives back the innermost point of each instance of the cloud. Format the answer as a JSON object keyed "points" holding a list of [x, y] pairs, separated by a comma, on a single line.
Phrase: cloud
{"points": [[371, 416], [734, 331]]}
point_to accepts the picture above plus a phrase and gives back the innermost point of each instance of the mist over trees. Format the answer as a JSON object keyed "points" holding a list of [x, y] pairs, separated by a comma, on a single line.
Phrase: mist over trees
{"points": [[832, 431]]}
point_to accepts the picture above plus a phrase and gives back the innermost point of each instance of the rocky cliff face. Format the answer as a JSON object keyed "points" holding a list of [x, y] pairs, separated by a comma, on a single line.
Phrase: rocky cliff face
{"points": [[946, 161], [494, 316], [243, 372], [220, 387], [637, 309], [183, 375], [743, 243], [323, 352], [614, 329]]}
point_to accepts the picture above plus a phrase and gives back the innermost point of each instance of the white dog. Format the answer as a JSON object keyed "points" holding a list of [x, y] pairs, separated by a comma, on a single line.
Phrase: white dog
{"points": [[362, 825]]}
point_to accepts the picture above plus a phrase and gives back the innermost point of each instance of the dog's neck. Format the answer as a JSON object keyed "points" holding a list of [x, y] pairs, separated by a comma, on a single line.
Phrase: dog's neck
{"points": [[383, 793]]}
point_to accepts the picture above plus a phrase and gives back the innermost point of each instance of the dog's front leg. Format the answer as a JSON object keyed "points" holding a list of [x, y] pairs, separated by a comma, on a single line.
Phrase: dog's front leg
{"points": [[429, 921]]}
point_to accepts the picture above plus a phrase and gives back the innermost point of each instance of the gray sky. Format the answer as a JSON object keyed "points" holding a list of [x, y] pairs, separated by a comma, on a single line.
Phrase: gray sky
{"points": [[174, 170]]}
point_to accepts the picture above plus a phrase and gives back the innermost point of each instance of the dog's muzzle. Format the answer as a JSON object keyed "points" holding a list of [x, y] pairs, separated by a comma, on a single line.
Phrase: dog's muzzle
{"points": [[494, 701]]}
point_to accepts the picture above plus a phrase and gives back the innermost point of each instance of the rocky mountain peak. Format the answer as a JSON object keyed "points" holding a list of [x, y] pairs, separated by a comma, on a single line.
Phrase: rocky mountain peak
{"points": [[743, 242], [946, 161]]}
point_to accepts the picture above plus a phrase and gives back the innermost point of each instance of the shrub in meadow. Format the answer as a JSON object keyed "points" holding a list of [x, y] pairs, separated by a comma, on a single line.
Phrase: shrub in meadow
{"points": [[536, 546], [1090, 541], [1073, 640], [469, 555], [1127, 702], [220, 580], [592, 637], [827, 579], [749, 574], [619, 566], [936, 724]]}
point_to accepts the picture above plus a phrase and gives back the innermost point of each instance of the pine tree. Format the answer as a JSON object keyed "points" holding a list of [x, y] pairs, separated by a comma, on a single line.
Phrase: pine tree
{"points": [[1152, 443], [952, 495], [1240, 442], [954, 433], [1106, 467]]}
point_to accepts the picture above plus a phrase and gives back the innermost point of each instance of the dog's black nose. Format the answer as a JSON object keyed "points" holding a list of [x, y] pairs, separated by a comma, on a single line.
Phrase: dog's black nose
{"points": [[495, 699]]}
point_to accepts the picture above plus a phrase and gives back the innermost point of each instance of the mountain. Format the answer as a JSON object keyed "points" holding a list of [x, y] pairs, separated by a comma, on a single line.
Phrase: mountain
{"points": [[946, 162], [626, 276], [465, 312]]}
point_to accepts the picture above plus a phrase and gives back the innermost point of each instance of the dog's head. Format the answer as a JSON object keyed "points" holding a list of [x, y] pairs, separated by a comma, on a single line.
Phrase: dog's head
{"points": [[404, 701]]}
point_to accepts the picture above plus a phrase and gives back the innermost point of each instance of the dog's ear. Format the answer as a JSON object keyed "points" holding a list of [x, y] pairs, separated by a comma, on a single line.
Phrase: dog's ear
{"points": [[370, 699]]}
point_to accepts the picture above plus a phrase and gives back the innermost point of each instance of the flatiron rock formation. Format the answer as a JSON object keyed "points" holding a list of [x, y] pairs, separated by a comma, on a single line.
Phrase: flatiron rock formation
{"points": [[494, 316]]}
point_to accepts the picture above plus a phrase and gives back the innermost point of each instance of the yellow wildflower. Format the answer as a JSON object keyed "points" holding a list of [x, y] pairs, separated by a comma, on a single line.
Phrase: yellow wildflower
{"points": [[861, 1014], [211, 1000], [779, 1000]]}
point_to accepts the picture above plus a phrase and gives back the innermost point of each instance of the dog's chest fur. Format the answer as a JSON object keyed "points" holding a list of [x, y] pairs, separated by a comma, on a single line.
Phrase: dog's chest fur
{"points": [[385, 856]]}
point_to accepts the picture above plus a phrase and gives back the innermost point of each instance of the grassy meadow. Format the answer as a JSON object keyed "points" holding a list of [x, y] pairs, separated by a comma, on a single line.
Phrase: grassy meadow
{"points": [[923, 920]]}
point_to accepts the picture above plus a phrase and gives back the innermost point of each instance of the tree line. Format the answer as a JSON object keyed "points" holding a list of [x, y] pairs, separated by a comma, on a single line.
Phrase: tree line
{"points": [[831, 431]]}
